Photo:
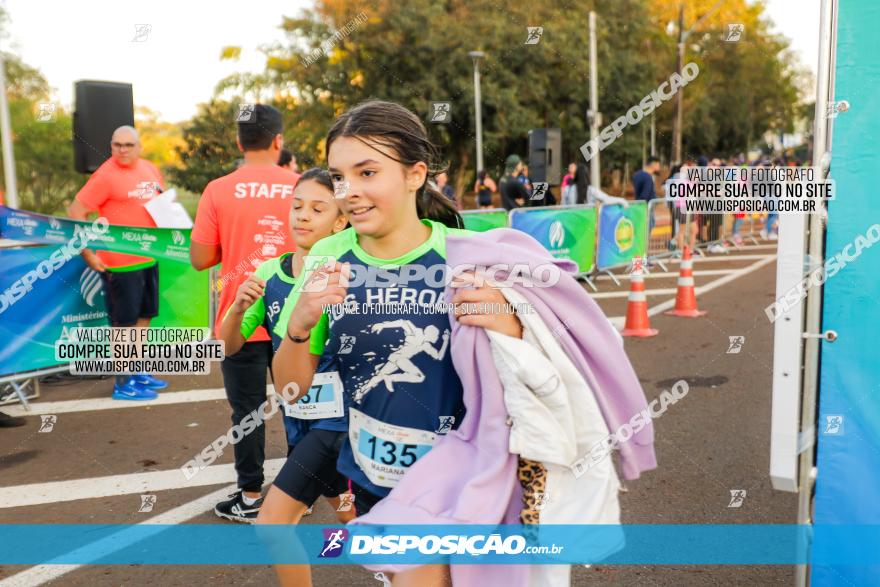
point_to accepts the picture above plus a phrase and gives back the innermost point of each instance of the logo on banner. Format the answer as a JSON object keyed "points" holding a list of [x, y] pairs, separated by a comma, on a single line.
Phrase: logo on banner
{"points": [[624, 234], [54, 223], [334, 542], [556, 235], [90, 286], [177, 238]]}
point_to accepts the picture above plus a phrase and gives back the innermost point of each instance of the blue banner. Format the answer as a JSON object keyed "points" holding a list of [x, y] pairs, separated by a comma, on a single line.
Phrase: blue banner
{"points": [[41, 298], [848, 426], [214, 544]]}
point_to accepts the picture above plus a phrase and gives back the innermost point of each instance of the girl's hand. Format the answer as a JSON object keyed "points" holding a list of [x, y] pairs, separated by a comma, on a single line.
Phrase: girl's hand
{"points": [[248, 292], [326, 286], [487, 307]]}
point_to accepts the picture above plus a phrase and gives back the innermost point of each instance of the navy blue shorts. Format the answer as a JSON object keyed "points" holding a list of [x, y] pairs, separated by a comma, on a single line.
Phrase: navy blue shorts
{"points": [[310, 469], [131, 295], [364, 499]]}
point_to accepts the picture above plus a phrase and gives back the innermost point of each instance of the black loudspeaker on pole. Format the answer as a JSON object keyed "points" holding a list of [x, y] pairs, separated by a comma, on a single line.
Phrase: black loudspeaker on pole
{"points": [[545, 155], [101, 108]]}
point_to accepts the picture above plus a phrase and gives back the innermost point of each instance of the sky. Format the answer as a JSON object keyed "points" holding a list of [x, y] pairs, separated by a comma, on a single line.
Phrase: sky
{"points": [[177, 63]]}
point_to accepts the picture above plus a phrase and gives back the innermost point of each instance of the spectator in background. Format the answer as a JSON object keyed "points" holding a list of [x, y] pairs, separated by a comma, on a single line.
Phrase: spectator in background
{"points": [[242, 222], [771, 227], [568, 178], [484, 188], [524, 178], [643, 185], [584, 193], [446, 189], [679, 216], [713, 221], [513, 192], [288, 160], [119, 190]]}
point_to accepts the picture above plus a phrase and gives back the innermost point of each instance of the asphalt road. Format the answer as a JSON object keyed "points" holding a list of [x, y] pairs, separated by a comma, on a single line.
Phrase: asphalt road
{"points": [[713, 441]]}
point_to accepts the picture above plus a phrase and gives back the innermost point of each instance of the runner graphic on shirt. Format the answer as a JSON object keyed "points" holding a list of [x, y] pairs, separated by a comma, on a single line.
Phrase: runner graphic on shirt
{"points": [[399, 367]]}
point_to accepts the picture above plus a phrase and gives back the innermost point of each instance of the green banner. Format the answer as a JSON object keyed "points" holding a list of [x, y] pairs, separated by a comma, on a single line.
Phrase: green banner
{"points": [[159, 243], [184, 292], [567, 232], [483, 220]]}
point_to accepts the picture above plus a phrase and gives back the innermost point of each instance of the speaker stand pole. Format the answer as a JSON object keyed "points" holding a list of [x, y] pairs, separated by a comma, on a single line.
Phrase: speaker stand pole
{"points": [[6, 136], [594, 120]]}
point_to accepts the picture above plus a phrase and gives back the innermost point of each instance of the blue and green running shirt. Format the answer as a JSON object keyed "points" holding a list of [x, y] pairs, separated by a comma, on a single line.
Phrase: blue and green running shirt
{"points": [[389, 343], [278, 275]]}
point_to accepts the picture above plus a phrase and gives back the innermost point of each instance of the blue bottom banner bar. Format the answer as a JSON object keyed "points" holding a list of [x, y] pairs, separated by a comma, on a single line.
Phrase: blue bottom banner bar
{"points": [[149, 544]]}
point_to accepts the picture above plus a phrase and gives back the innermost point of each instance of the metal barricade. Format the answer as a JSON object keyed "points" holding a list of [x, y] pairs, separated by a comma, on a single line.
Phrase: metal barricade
{"points": [[661, 239]]}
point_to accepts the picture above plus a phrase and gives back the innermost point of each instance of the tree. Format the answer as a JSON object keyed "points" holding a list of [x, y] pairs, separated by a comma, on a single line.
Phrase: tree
{"points": [[345, 51], [209, 149], [42, 143]]}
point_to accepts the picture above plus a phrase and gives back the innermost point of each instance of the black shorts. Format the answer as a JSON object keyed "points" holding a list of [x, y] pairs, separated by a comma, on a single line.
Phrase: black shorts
{"points": [[310, 470], [484, 199], [131, 295], [364, 499]]}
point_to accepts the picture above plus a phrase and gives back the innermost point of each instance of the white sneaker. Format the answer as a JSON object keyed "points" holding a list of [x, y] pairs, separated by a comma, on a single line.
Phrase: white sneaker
{"points": [[716, 248], [764, 234], [773, 236]]}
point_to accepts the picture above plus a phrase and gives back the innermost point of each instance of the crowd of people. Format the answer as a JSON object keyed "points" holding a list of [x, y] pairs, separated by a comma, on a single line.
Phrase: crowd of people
{"points": [[378, 397], [703, 227]]}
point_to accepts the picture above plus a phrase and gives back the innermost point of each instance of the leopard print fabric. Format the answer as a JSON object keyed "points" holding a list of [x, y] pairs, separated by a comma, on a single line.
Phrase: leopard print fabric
{"points": [[533, 479]]}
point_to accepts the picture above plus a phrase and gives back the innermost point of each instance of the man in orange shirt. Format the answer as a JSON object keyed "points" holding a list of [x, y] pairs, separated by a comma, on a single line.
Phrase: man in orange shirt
{"points": [[118, 190], [241, 222]]}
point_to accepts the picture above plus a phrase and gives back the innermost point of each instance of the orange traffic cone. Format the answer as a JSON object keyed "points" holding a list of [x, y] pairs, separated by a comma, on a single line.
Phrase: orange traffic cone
{"points": [[637, 323], [686, 297]]}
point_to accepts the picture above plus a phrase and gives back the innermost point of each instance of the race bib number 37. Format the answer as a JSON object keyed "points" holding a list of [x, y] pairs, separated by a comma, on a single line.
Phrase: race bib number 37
{"points": [[323, 399], [384, 451]]}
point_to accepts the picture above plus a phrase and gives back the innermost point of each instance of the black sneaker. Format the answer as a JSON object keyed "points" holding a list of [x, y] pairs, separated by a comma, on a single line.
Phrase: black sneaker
{"points": [[7, 421], [236, 510]]}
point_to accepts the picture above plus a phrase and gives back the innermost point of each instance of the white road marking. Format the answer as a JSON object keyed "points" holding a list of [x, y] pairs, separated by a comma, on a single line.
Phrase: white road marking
{"points": [[660, 275], [731, 257], [113, 485], [606, 295], [166, 398], [619, 321], [40, 574]]}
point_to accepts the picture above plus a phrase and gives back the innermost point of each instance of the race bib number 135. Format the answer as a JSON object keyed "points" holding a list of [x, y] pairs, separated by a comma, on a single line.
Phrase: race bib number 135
{"points": [[384, 451]]}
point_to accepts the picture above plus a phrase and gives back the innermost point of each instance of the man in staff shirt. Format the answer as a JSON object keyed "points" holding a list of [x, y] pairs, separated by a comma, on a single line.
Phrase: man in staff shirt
{"points": [[241, 222]]}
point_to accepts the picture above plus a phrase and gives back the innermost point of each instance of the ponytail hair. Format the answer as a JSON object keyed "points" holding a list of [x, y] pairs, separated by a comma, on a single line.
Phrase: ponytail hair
{"points": [[392, 126]]}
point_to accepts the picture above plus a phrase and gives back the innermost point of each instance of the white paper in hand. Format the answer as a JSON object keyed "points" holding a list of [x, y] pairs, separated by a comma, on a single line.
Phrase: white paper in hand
{"points": [[168, 213]]}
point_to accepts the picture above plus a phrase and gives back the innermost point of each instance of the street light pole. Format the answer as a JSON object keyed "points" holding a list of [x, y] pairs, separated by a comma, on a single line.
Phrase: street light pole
{"points": [[593, 119], [6, 137], [478, 110], [679, 63]]}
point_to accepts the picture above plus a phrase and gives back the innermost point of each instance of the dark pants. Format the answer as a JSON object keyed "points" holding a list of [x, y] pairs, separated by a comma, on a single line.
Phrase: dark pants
{"points": [[244, 377], [715, 226]]}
